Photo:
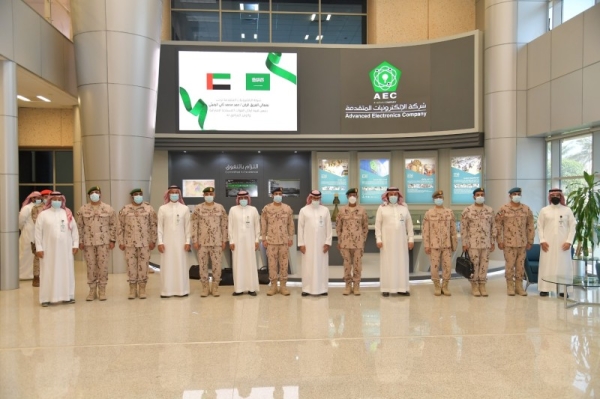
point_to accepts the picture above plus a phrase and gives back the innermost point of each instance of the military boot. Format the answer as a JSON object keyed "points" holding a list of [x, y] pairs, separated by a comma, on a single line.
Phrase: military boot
{"points": [[283, 289], [510, 287], [445, 289], [36, 281], [482, 289], [132, 290], [475, 288], [356, 289], [519, 288], [204, 292], [348, 289], [102, 292], [142, 290], [273, 289], [92, 295], [215, 289], [437, 289]]}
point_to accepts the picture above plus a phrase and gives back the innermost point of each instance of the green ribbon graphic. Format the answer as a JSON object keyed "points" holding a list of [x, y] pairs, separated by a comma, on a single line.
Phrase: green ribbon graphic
{"points": [[272, 61], [200, 109]]}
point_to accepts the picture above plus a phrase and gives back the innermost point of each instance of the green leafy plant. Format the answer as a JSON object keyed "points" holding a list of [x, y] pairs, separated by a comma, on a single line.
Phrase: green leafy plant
{"points": [[584, 200]]}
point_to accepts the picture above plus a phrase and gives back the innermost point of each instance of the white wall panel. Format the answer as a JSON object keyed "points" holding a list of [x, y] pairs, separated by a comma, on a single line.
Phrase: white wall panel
{"points": [[137, 51], [53, 60], [497, 30], [501, 62], [90, 53], [591, 36], [132, 110], [27, 37], [538, 110], [6, 29], [567, 47], [501, 118], [538, 61], [566, 104], [591, 94], [501, 158], [148, 15]]}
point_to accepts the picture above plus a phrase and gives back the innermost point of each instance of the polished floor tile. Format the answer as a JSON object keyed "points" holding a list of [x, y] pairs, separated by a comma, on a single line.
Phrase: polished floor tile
{"points": [[298, 347]]}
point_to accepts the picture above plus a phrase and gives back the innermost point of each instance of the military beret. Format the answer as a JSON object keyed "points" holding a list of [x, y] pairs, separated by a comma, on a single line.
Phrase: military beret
{"points": [[95, 188], [46, 192], [352, 191], [136, 190], [478, 190], [437, 193], [209, 190], [277, 189], [514, 190]]}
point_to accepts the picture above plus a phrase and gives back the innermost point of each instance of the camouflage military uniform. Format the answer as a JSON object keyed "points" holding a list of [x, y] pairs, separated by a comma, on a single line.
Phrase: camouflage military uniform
{"points": [[478, 231], [35, 211], [439, 234], [352, 227], [514, 227], [209, 229], [277, 228], [137, 230], [97, 225]]}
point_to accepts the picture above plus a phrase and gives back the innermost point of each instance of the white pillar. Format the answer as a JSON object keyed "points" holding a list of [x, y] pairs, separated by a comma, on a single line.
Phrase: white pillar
{"points": [[117, 45], [9, 177]]}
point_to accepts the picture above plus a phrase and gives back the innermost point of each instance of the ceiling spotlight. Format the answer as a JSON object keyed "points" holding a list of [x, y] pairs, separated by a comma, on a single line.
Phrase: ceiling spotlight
{"points": [[256, 35], [328, 17], [312, 17], [295, 152], [243, 35], [185, 152], [43, 98], [241, 6], [20, 97], [259, 151], [306, 37]]}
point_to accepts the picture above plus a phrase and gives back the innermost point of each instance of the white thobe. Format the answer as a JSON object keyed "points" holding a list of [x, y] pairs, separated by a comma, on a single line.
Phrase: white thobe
{"points": [[174, 233], [314, 231], [25, 239], [556, 226], [56, 238], [394, 229], [244, 233]]}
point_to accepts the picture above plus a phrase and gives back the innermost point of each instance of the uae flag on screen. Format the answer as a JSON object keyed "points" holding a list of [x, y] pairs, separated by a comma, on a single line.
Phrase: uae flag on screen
{"points": [[218, 81]]}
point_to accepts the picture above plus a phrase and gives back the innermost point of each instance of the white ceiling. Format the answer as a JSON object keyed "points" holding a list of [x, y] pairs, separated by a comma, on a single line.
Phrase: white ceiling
{"points": [[30, 85]]}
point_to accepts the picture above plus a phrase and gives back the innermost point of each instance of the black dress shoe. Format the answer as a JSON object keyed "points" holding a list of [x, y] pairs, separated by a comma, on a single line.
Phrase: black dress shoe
{"points": [[181, 296], [385, 294], [45, 304], [238, 293], [305, 294], [252, 293], [544, 293], [562, 295], [323, 294], [404, 293], [165, 296]]}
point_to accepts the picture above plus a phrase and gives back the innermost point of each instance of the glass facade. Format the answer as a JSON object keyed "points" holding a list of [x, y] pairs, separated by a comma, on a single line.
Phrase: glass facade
{"points": [[272, 21]]}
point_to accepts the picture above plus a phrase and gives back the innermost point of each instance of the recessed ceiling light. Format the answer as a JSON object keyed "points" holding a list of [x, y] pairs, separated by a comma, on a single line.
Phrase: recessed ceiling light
{"points": [[242, 6], [20, 97], [306, 37], [243, 35], [312, 17], [295, 152], [256, 35], [43, 98], [259, 152], [185, 152], [328, 17]]}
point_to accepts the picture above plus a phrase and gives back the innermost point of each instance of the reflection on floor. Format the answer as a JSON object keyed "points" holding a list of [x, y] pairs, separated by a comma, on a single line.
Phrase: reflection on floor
{"points": [[420, 346]]}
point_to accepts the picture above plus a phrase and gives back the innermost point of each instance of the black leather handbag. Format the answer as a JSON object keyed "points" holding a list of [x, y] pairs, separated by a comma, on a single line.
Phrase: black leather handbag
{"points": [[263, 275], [464, 265]]}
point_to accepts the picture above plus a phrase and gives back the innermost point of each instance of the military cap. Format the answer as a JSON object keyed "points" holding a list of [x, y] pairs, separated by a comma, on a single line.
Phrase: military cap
{"points": [[136, 190], [478, 190], [437, 193], [352, 191], [209, 190], [276, 189], [514, 190], [95, 188]]}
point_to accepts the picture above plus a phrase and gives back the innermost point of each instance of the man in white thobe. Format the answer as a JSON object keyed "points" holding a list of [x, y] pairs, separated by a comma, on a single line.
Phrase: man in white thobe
{"points": [[244, 233], [27, 227], [56, 241], [174, 236], [395, 237], [314, 240], [556, 230]]}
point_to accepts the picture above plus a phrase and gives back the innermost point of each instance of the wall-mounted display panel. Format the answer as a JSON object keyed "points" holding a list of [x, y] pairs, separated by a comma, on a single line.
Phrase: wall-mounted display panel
{"points": [[466, 177], [193, 188], [333, 179], [374, 178], [289, 187], [241, 91], [234, 186], [420, 178]]}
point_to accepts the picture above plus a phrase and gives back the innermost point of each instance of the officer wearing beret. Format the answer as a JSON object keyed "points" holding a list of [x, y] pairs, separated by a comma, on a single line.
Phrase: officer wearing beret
{"points": [[515, 234], [137, 237], [97, 224]]}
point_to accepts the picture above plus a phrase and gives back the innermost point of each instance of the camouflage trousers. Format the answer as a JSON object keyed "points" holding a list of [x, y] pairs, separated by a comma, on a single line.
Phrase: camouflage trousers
{"points": [[481, 259], [515, 262], [445, 255], [278, 255], [352, 264], [215, 253], [36, 266], [137, 259], [96, 257]]}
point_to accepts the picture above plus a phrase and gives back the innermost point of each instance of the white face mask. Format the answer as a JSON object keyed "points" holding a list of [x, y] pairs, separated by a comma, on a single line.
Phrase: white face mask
{"points": [[352, 200], [516, 199], [479, 200], [438, 201], [95, 197], [209, 198], [243, 202], [277, 198], [315, 203], [393, 199]]}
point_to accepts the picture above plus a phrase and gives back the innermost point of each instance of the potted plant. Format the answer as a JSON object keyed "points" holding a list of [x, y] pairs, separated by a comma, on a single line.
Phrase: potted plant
{"points": [[584, 200]]}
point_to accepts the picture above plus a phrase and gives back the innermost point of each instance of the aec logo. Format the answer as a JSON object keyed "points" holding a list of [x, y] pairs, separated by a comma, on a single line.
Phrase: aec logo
{"points": [[385, 78]]}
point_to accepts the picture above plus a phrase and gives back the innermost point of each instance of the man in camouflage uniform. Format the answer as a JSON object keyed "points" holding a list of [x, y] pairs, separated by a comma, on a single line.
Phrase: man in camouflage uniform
{"points": [[97, 224], [137, 237], [35, 211], [277, 232], [478, 233], [440, 241], [209, 237], [515, 234], [352, 227]]}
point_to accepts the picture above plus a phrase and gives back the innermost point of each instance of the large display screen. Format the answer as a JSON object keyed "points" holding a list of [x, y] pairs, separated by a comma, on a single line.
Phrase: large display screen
{"points": [[289, 187], [194, 188], [333, 179], [234, 91], [466, 177], [233, 186], [374, 180], [420, 180]]}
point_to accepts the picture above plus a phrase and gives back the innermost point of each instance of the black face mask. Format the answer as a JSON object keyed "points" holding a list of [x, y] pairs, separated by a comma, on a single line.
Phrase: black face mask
{"points": [[555, 200]]}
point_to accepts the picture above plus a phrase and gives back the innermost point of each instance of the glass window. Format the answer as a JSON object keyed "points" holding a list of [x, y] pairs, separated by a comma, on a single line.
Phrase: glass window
{"points": [[351, 6], [35, 167], [344, 29], [195, 4], [572, 8], [245, 27], [294, 28], [251, 5], [195, 26], [63, 161], [69, 193], [576, 156], [296, 5]]}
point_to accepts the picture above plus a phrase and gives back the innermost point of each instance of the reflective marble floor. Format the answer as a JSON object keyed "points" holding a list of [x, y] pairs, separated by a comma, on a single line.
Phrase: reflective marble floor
{"points": [[314, 347]]}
